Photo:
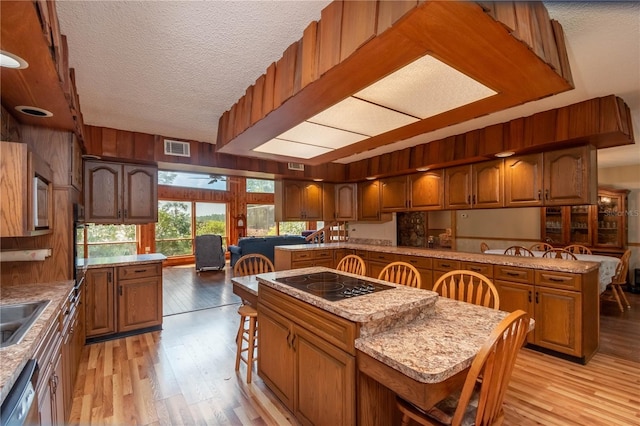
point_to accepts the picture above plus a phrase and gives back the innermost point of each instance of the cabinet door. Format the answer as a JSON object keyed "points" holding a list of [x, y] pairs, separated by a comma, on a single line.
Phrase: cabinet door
{"points": [[554, 225], [427, 190], [346, 202], [580, 225], [610, 219], [457, 187], [369, 200], [569, 176], [275, 355], [99, 298], [140, 194], [523, 181], [139, 303], [325, 381], [393, 195], [488, 185], [312, 201], [103, 192], [558, 320], [514, 296], [293, 206], [58, 391]]}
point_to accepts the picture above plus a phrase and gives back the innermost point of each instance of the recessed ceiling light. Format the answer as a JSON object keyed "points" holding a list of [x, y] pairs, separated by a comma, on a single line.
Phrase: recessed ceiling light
{"points": [[505, 154], [34, 111], [291, 149], [370, 178], [422, 169], [9, 60], [318, 180]]}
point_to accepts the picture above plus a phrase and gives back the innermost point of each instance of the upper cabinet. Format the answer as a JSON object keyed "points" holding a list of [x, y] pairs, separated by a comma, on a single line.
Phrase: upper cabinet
{"points": [[474, 186], [419, 191], [299, 200], [120, 193], [346, 201], [26, 192], [369, 201], [555, 178]]}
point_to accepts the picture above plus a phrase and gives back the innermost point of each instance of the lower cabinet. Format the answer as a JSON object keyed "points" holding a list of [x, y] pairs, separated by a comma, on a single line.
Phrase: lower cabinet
{"points": [[302, 358], [50, 388], [123, 299]]}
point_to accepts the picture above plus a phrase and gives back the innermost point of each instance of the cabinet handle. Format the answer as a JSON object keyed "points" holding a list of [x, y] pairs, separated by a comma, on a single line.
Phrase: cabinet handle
{"points": [[556, 280], [539, 194], [293, 342], [468, 199], [119, 214], [445, 265], [125, 213], [473, 198], [288, 342], [109, 276], [138, 271], [475, 269], [515, 274], [537, 297], [529, 296], [120, 290], [546, 194]]}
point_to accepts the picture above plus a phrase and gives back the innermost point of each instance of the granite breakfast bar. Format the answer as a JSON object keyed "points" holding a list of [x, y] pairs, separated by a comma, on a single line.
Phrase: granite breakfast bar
{"points": [[343, 362]]}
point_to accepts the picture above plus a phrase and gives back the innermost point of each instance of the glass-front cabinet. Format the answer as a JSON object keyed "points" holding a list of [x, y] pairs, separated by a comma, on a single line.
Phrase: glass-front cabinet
{"points": [[602, 226]]}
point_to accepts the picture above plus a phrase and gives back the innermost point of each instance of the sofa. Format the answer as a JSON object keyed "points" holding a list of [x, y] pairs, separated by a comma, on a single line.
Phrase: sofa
{"points": [[262, 245]]}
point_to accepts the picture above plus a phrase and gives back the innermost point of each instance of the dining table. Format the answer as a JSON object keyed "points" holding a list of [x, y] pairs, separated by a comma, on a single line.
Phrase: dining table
{"points": [[606, 272]]}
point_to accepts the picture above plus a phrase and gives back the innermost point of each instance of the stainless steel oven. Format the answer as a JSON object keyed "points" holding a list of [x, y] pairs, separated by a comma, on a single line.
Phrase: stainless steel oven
{"points": [[20, 406]]}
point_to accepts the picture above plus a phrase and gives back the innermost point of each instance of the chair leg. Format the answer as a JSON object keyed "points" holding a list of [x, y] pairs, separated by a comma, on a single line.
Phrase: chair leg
{"points": [[624, 296], [251, 349], [239, 342], [614, 289]]}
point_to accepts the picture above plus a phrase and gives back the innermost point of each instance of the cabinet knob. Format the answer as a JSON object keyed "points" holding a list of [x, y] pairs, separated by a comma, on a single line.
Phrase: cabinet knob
{"points": [[546, 194], [539, 194]]}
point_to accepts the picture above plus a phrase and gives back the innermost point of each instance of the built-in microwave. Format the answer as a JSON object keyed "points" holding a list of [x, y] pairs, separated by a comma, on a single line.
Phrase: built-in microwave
{"points": [[40, 203]]}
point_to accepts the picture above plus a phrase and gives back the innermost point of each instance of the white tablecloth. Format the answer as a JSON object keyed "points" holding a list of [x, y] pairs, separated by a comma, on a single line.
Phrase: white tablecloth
{"points": [[607, 270]]}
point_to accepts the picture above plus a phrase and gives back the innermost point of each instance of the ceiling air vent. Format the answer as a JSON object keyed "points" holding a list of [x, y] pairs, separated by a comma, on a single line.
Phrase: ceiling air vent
{"points": [[177, 148], [296, 166]]}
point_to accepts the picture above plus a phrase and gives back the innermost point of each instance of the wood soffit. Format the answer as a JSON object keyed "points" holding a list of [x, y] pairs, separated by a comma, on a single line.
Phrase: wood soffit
{"points": [[511, 47]]}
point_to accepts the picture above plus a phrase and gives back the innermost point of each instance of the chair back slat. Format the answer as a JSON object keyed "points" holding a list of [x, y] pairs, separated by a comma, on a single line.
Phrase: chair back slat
{"points": [[541, 247], [252, 264], [401, 273], [557, 253], [518, 251], [468, 286], [352, 263], [578, 249]]}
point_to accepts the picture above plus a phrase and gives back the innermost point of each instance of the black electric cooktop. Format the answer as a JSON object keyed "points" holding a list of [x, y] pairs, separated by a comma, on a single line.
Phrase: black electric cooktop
{"points": [[332, 286]]}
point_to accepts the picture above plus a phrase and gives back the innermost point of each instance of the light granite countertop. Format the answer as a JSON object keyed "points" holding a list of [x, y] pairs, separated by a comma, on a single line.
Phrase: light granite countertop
{"points": [[13, 358], [560, 265], [134, 259]]}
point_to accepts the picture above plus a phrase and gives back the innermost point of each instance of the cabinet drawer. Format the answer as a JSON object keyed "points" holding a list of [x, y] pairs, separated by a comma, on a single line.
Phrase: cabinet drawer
{"points": [[322, 254], [303, 264], [139, 271], [445, 265], [382, 257], [563, 280], [419, 262], [301, 255], [481, 268], [513, 274]]}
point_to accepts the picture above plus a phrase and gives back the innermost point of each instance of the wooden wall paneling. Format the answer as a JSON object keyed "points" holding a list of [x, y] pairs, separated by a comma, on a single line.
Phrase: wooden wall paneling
{"points": [[297, 74], [514, 135], [547, 36], [309, 55], [143, 146], [10, 126], [109, 142], [358, 25], [285, 75], [124, 143], [503, 12], [389, 11], [238, 116], [491, 140], [417, 156], [625, 118], [267, 94], [563, 55], [528, 28], [540, 128], [63, 66], [470, 143], [584, 119], [248, 105], [256, 100], [43, 14], [330, 27], [231, 124]]}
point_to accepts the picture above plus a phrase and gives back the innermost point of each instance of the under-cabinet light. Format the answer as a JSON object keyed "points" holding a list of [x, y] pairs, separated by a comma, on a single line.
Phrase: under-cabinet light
{"points": [[34, 111], [9, 60], [505, 154]]}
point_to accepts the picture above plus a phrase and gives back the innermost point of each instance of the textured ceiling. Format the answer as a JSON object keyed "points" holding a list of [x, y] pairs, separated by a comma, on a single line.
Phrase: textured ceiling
{"points": [[173, 67]]}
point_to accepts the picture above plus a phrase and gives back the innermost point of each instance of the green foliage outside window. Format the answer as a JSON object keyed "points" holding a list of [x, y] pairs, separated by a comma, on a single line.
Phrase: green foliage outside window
{"points": [[173, 230], [111, 240], [260, 185], [292, 228]]}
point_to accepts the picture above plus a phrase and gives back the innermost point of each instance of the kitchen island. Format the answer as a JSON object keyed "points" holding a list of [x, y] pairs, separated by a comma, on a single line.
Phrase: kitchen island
{"points": [[561, 295], [329, 361]]}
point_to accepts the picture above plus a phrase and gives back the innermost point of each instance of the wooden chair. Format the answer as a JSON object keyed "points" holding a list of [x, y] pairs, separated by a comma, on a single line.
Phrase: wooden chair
{"points": [[352, 263], [557, 253], [252, 264], [578, 249], [484, 247], [518, 251], [468, 286], [541, 247], [619, 280], [401, 273], [479, 403]]}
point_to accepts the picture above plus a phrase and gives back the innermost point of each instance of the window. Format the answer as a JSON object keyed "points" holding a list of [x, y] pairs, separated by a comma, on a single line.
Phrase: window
{"points": [[261, 220], [180, 221], [264, 186], [173, 230], [109, 240], [192, 180], [292, 228]]}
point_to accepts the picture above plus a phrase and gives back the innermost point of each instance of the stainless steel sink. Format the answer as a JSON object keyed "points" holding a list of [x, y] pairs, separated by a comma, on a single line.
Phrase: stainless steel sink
{"points": [[16, 320]]}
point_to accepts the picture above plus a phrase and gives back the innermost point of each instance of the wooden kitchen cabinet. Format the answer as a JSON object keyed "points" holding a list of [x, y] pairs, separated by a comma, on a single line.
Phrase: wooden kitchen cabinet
{"points": [[475, 186], [419, 191], [346, 201], [298, 200], [307, 357], [369, 202], [49, 388], [116, 193], [123, 299], [570, 176], [523, 181], [19, 168], [100, 302]]}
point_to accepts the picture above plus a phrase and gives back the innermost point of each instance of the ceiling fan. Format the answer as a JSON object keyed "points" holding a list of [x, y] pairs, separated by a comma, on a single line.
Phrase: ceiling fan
{"points": [[213, 178]]}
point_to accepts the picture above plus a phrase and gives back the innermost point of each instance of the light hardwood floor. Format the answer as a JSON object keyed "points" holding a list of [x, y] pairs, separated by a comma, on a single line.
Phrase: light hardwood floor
{"points": [[184, 375]]}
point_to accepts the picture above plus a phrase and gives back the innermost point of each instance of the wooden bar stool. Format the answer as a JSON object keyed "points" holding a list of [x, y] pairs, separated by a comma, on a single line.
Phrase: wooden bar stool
{"points": [[247, 332]]}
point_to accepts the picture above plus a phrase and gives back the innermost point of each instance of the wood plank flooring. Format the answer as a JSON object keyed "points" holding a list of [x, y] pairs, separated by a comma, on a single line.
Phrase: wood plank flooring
{"points": [[184, 375]]}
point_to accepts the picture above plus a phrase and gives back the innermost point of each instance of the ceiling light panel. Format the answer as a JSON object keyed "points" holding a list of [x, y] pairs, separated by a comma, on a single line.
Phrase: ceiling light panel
{"points": [[424, 88], [316, 134], [291, 149], [356, 115]]}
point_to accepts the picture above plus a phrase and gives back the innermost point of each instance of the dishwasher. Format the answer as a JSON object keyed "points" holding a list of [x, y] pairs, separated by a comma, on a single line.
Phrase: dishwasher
{"points": [[20, 406]]}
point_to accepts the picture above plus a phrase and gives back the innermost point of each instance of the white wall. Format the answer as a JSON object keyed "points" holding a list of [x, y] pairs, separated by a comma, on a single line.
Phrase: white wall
{"points": [[374, 231]]}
